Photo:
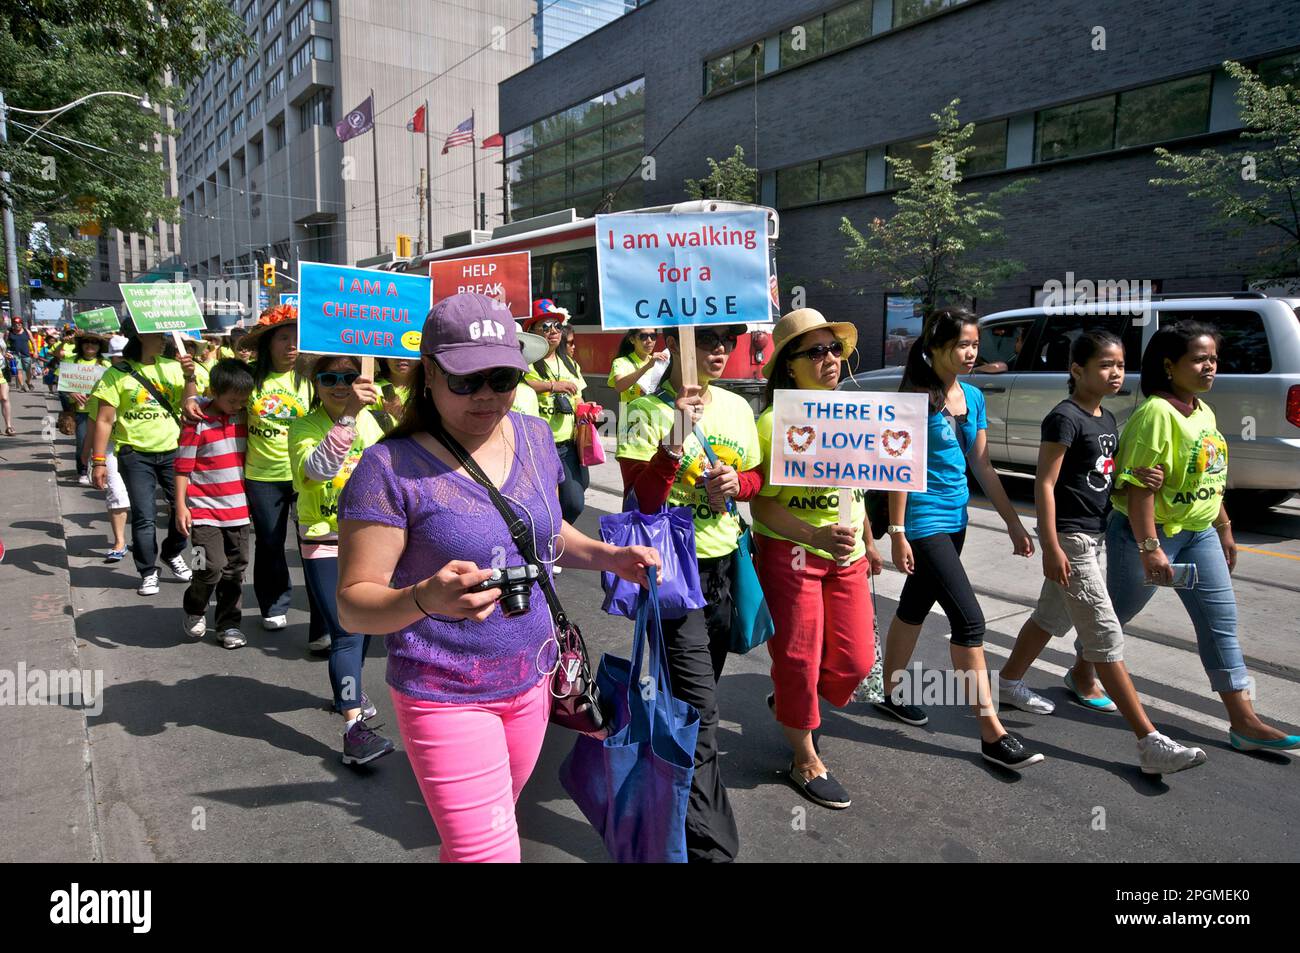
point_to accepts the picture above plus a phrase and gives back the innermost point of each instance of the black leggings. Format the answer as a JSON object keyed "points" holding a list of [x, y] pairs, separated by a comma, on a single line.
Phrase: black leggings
{"points": [[939, 576]]}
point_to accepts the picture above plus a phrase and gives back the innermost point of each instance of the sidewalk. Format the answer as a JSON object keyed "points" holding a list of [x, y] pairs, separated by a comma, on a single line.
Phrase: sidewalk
{"points": [[45, 790]]}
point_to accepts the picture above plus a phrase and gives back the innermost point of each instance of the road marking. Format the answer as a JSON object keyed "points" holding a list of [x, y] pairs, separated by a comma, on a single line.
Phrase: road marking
{"points": [[1265, 552]]}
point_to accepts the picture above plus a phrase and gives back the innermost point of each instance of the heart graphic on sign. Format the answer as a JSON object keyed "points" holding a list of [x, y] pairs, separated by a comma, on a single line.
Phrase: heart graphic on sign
{"points": [[800, 439], [895, 442]]}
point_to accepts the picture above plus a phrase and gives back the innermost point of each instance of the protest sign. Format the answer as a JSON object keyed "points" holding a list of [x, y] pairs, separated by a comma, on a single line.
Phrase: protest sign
{"points": [[860, 439], [79, 378], [162, 306], [684, 270], [291, 298], [98, 321], [507, 278], [360, 311]]}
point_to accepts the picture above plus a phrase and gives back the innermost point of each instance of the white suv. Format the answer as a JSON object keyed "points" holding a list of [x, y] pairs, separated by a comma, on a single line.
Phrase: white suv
{"points": [[1256, 396]]}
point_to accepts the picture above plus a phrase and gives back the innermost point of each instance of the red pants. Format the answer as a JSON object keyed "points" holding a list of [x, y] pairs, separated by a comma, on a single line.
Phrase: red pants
{"points": [[824, 642]]}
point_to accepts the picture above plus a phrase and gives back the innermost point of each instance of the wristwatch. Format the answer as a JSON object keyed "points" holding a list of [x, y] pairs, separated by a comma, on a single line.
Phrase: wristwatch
{"points": [[1149, 545], [899, 530], [347, 420]]}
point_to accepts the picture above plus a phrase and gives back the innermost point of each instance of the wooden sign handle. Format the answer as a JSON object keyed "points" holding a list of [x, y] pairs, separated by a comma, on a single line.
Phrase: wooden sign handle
{"points": [[686, 343], [368, 368]]}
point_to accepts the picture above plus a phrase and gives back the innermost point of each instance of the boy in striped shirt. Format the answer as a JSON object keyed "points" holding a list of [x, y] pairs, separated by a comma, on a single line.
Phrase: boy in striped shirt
{"points": [[211, 506]]}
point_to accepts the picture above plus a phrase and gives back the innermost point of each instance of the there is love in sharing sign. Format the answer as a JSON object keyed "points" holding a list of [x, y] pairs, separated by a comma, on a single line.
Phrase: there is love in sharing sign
{"points": [[865, 440]]}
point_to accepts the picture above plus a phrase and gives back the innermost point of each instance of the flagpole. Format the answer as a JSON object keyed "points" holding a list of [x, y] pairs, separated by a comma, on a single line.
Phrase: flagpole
{"points": [[374, 151], [428, 182], [473, 145]]}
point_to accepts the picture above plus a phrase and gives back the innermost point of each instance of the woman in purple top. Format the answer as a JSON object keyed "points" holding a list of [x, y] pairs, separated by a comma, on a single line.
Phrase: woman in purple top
{"points": [[470, 686]]}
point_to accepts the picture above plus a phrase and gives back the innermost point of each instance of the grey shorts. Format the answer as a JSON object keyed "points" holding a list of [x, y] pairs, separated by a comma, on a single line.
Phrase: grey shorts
{"points": [[1085, 606]]}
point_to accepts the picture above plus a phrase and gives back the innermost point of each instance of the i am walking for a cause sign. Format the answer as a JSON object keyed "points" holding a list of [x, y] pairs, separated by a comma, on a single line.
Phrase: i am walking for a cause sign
{"points": [[360, 311], [507, 278], [666, 270], [866, 440]]}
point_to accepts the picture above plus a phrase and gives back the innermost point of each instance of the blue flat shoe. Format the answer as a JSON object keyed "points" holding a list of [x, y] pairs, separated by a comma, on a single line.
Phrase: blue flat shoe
{"points": [[1096, 704], [1242, 743]]}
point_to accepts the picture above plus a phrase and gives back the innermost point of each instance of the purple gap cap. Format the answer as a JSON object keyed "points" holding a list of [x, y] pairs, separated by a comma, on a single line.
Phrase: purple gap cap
{"points": [[468, 333]]}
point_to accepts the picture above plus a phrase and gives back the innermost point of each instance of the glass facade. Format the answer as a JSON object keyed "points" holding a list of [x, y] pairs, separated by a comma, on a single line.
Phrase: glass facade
{"points": [[566, 21], [573, 158]]}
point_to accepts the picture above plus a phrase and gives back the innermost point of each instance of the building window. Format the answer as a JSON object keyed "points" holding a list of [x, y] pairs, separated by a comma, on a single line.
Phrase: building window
{"points": [[250, 16], [254, 105], [848, 25], [1281, 70], [843, 176], [237, 126], [1078, 129], [1163, 112], [272, 17], [318, 47], [299, 22], [275, 85], [796, 185], [989, 151], [738, 66], [255, 147], [223, 140], [222, 112], [274, 51], [237, 96], [320, 11], [802, 42], [254, 75], [316, 111], [277, 137], [909, 11]]}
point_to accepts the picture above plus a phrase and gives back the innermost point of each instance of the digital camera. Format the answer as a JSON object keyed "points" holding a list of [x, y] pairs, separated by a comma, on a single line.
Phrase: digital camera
{"points": [[515, 583]]}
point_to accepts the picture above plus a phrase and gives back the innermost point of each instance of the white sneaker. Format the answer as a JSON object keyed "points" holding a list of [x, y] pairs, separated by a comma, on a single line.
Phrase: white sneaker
{"points": [[273, 622], [195, 625], [1160, 754], [1019, 695], [149, 584], [177, 565], [232, 638], [84, 479], [556, 569], [322, 644]]}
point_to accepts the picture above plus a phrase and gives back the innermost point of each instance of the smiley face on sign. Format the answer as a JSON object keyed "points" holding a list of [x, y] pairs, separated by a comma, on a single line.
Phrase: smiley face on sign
{"points": [[800, 439], [411, 340]]}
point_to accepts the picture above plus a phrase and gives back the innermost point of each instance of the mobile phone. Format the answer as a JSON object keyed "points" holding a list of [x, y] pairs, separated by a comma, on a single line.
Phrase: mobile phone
{"points": [[1185, 576]]}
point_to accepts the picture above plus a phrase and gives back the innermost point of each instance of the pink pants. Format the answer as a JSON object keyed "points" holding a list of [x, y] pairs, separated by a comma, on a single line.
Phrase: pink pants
{"points": [[471, 761]]}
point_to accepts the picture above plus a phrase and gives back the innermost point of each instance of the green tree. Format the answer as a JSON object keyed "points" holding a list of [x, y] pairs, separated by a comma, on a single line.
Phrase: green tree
{"points": [[95, 162], [730, 180], [1256, 184], [934, 245]]}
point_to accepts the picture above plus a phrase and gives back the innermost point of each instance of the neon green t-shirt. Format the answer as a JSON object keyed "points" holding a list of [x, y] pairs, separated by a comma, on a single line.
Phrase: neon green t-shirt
{"points": [[526, 401], [400, 391], [1195, 460], [561, 424], [816, 505], [142, 423], [69, 351], [270, 408], [318, 503], [623, 366], [224, 352], [728, 425]]}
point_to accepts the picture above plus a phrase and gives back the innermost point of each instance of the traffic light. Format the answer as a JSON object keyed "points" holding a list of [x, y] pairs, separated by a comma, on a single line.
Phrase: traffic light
{"points": [[59, 268], [403, 246], [268, 274]]}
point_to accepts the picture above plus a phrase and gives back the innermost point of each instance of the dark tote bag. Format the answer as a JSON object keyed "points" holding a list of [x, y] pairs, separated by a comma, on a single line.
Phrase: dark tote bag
{"points": [[671, 531], [634, 785]]}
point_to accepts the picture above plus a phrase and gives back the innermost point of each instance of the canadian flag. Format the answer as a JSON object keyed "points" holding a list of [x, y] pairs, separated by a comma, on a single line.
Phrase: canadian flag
{"points": [[416, 122]]}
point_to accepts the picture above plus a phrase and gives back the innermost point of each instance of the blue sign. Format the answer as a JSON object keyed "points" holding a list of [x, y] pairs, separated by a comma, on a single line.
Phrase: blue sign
{"points": [[666, 270], [360, 311], [289, 299], [34, 282]]}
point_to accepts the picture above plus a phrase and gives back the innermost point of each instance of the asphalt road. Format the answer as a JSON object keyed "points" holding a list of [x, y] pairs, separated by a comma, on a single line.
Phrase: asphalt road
{"points": [[204, 754]]}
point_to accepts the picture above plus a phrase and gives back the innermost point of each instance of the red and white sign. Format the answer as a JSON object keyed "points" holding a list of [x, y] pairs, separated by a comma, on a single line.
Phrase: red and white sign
{"points": [[507, 278]]}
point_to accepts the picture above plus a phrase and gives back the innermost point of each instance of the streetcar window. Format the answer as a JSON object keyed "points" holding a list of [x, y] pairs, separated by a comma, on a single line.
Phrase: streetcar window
{"points": [[571, 283]]}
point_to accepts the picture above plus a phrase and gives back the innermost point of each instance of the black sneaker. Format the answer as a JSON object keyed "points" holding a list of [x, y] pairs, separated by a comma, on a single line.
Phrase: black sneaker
{"points": [[908, 714], [771, 706], [362, 744], [823, 789], [367, 710], [1009, 751]]}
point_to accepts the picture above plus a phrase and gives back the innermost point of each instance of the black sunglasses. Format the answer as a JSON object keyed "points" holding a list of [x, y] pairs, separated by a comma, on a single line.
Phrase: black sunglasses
{"points": [[548, 326], [336, 378], [502, 380], [819, 351], [647, 337], [709, 340]]}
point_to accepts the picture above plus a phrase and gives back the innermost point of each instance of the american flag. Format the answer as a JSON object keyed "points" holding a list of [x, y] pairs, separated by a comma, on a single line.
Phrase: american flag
{"points": [[460, 135]]}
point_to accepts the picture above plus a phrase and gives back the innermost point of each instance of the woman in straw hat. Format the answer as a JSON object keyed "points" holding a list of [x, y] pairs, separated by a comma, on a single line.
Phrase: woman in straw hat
{"points": [[813, 569], [87, 348]]}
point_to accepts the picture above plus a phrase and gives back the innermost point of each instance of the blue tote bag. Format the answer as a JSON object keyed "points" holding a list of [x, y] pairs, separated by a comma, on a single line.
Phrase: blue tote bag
{"points": [[633, 786], [672, 532]]}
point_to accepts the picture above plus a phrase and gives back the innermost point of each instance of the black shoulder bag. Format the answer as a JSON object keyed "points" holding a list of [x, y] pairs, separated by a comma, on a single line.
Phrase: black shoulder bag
{"points": [[576, 701], [559, 402]]}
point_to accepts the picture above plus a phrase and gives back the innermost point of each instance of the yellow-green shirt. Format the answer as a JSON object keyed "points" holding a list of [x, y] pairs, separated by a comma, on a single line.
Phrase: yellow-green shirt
{"points": [[400, 391], [270, 409], [1192, 452], [816, 505], [526, 401], [728, 425], [622, 367], [142, 423], [318, 503], [561, 424]]}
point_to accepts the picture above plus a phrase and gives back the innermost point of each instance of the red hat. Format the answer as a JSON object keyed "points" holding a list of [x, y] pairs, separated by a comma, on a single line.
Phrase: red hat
{"points": [[546, 308]]}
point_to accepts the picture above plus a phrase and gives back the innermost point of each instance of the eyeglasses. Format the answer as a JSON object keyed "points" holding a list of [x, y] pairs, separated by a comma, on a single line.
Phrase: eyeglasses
{"points": [[647, 337], [336, 378], [709, 340], [502, 380], [818, 351], [547, 326]]}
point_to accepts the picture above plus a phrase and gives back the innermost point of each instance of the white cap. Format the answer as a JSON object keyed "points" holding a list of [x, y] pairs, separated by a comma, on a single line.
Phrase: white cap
{"points": [[116, 345]]}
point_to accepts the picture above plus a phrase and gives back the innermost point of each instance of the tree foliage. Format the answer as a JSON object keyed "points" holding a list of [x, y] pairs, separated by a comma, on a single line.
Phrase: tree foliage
{"points": [[934, 247], [730, 180]]}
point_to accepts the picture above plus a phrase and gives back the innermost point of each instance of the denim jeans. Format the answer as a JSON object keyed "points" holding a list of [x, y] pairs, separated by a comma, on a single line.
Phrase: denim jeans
{"points": [[269, 506], [576, 480], [1211, 605], [347, 651], [82, 422], [144, 474]]}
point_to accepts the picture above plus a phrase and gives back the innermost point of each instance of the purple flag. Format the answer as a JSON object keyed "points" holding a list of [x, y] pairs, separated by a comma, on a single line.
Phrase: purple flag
{"points": [[361, 120]]}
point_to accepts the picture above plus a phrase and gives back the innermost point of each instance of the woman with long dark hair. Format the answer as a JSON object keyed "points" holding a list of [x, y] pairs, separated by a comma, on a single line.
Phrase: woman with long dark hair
{"points": [[417, 538], [928, 531], [1184, 521], [88, 348]]}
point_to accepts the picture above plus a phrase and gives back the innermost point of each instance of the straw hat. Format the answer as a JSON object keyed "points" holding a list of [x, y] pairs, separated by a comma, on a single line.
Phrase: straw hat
{"points": [[103, 339], [280, 316], [801, 322]]}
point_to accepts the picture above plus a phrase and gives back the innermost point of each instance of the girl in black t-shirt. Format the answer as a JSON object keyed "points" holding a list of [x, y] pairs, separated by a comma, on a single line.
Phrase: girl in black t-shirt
{"points": [[1072, 493]]}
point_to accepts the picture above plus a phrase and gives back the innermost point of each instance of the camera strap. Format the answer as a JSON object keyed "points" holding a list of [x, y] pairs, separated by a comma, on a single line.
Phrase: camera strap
{"points": [[520, 531]]}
